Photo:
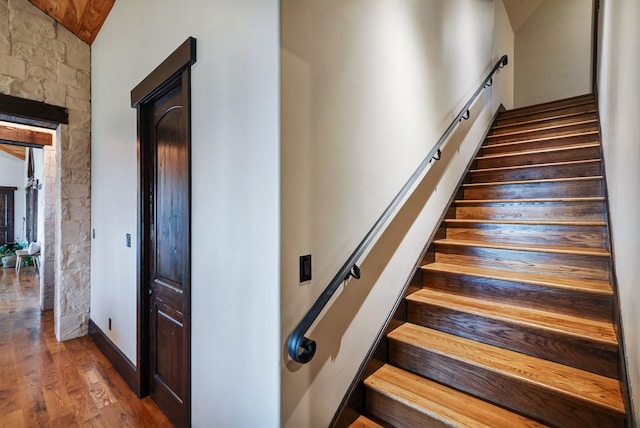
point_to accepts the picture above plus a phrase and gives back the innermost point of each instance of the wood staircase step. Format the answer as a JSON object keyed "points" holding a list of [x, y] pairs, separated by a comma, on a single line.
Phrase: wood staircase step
{"points": [[571, 262], [548, 106], [583, 168], [588, 209], [551, 114], [572, 187], [553, 393], [590, 299], [531, 157], [404, 399], [365, 422], [544, 142], [512, 319], [547, 124], [564, 233], [579, 342], [548, 131]]}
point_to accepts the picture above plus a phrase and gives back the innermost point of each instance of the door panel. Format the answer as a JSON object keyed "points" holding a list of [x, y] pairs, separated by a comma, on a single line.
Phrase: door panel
{"points": [[6, 214], [169, 237]]}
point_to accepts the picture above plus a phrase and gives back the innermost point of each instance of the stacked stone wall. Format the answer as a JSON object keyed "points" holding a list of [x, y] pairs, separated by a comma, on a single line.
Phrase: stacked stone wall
{"points": [[42, 61]]}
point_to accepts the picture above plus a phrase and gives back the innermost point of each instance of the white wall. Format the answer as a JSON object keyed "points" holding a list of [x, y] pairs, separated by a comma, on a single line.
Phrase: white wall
{"points": [[11, 175], [235, 200], [368, 88], [503, 43], [618, 89], [553, 52]]}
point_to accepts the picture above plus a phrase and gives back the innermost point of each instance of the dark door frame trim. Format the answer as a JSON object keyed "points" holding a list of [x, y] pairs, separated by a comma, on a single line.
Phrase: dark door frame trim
{"points": [[179, 62]]}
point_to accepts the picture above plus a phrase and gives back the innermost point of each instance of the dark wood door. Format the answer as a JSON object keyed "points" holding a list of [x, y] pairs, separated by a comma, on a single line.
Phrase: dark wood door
{"points": [[6, 214], [168, 252]]}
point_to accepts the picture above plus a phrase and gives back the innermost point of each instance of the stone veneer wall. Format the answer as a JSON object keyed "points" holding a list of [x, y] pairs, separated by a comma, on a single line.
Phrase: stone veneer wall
{"points": [[41, 60]]}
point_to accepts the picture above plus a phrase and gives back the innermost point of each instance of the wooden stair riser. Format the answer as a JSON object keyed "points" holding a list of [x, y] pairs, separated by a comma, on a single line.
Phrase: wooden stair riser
{"points": [[549, 405], [542, 343], [572, 302], [567, 154], [556, 170], [564, 265], [535, 190], [551, 123], [576, 210], [585, 107], [548, 107], [399, 414], [533, 144], [566, 130], [539, 234]]}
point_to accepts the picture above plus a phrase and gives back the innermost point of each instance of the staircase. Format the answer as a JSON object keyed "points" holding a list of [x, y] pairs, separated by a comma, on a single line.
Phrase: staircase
{"points": [[513, 324]]}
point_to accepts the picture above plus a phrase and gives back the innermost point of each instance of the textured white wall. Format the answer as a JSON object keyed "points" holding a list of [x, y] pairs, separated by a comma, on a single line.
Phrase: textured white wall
{"points": [[368, 88], [235, 199], [553, 52], [618, 89]]}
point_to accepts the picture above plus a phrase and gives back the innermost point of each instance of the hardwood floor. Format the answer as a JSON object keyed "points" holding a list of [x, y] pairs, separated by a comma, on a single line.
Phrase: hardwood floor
{"points": [[44, 382]]}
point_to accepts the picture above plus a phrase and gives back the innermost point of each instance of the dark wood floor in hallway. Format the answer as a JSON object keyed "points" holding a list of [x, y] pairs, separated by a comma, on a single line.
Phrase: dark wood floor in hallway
{"points": [[45, 383]]}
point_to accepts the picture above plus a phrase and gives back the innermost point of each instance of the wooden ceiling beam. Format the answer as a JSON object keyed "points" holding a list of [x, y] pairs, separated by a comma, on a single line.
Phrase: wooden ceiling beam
{"points": [[25, 136]]}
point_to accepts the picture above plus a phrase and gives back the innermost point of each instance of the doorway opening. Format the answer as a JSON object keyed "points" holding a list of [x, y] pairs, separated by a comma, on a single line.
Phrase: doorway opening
{"points": [[27, 159]]}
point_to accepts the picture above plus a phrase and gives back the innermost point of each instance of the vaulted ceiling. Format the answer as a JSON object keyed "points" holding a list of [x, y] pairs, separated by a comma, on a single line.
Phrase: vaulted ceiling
{"points": [[84, 18]]}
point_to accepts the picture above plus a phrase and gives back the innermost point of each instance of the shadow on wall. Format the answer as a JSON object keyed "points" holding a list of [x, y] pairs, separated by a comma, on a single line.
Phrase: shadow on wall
{"points": [[341, 311]]}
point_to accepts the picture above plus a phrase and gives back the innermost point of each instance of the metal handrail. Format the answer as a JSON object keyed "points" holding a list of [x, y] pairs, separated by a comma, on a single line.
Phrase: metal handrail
{"points": [[301, 348]]}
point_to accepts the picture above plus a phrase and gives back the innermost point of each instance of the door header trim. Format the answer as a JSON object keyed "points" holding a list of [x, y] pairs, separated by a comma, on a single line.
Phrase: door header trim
{"points": [[184, 56]]}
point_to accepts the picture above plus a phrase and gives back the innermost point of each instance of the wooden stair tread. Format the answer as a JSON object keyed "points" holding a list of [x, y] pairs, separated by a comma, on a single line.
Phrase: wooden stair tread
{"points": [[532, 200], [539, 165], [549, 127], [454, 221], [554, 249], [582, 328], [592, 388], [538, 151], [538, 139], [549, 106], [365, 422], [590, 286], [448, 405], [552, 117], [536, 181]]}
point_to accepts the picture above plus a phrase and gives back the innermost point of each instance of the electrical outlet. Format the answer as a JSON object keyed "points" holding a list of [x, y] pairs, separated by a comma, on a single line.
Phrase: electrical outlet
{"points": [[128, 240]]}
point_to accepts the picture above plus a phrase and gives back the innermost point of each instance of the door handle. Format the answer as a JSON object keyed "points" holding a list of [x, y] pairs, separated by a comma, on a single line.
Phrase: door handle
{"points": [[150, 291]]}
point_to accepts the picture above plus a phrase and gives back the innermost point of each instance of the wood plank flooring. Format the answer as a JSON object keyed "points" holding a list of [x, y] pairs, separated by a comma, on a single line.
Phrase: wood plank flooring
{"points": [[46, 383]]}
